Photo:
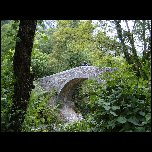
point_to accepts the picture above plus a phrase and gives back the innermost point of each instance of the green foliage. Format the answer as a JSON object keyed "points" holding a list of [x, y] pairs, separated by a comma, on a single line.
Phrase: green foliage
{"points": [[106, 44], [147, 68], [61, 48], [72, 43], [120, 104], [44, 41], [8, 36], [41, 117], [7, 88], [41, 64]]}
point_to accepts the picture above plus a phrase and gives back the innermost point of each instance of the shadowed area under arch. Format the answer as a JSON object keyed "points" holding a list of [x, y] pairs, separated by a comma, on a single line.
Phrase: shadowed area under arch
{"points": [[68, 89]]}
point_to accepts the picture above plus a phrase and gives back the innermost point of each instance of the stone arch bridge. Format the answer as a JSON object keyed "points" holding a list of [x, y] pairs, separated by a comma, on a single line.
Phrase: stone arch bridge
{"points": [[65, 82]]}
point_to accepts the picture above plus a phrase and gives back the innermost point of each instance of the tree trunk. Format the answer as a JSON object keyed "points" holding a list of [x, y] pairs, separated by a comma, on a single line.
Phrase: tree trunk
{"points": [[23, 78], [131, 59], [120, 36], [137, 63], [143, 34], [147, 50]]}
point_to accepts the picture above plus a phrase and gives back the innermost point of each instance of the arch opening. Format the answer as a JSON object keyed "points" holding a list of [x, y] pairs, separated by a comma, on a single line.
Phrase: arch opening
{"points": [[69, 88]]}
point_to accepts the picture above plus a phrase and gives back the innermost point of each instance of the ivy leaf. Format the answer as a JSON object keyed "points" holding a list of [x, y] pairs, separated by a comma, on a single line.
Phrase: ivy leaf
{"points": [[113, 113], [122, 120], [43, 120], [142, 113], [133, 120], [111, 124], [101, 100], [148, 117], [140, 129], [106, 107], [107, 103], [115, 107]]}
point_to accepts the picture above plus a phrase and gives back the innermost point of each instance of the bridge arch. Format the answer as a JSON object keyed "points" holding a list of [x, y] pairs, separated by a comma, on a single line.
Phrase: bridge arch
{"points": [[66, 82], [68, 89]]}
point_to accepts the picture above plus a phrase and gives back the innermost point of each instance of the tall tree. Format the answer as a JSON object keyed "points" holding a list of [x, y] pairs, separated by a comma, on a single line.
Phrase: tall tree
{"points": [[23, 78], [132, 57], [122, 40], [138, 65], [145, 24], [72, 39]]}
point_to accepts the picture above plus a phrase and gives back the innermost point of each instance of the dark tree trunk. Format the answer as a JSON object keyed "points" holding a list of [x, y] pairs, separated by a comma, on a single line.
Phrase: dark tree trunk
{"points": [[23, 78]]}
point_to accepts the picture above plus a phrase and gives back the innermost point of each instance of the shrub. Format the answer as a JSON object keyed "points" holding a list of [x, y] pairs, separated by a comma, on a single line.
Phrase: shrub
{"points": [[40, 117], [122, 104], [41, 65], [7, 89]]}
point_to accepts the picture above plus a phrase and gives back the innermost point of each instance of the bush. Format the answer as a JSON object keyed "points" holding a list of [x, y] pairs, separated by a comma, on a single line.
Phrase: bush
{"points": [[8, 36], [41, 64], [41, 117], [122, 104], [7, 89]]}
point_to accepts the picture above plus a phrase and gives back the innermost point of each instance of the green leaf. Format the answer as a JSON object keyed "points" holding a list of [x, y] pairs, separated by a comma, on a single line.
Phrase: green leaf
{"points": [[115, 107], [45, 38], [93, 97], [133, 120], [106, 107], [142, 113], [43, 120], [113, 113], [148, 117], [122, 120], [111, 124], [107, 103], [140, 129]]}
